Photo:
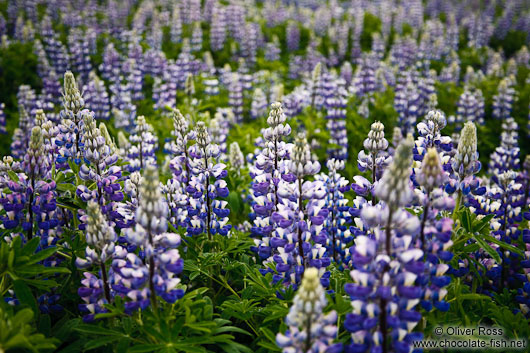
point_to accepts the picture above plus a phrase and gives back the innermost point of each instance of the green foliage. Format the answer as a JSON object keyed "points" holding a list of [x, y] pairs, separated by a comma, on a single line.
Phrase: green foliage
{"points": [[20, 268], [17, 331]]}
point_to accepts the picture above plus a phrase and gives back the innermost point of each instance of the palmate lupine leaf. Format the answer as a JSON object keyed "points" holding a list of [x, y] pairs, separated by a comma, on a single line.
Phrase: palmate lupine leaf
{"points": [[22, 264]]}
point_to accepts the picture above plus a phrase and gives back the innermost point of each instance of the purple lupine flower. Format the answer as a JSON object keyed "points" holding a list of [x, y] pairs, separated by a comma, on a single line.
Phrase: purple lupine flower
{"points": [[71, 127], [464, 165], [503, 101], [134, 77], [506, 155], [363, 82], [219, 129], [211, 86], [43, 66], [309, 329], [164, 94], [143, 146], [101, 239], [270, 166], [273, 50], [80, 53], [373, 158], [403, 52], [451, 73], [176, 26], [110, 67], [346, 73], [100, 167], [57, 54], [96, 97], [159, 247], [154, 37], [180, 164], [298, 240], [259, 104], [21, 135], [336, 124], [3, 130], [51, 91], [207, 211], [218, 29], [292, 36], [235, 97], [435, 232], [429, 131], [509, 194], [155, 62], [123, 108], [36, 167], [467, 109], [387, 270], [196, 37], [337, 222], [384, 294], [406, 102]]}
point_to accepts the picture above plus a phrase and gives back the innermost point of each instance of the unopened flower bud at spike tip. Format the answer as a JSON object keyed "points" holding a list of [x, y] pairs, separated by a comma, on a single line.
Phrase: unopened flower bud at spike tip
{"points": [[465, 162], [302, 163], [236, 156], [376, 141], [394, 187], [431, 174], [203, 137], [98, 232]]}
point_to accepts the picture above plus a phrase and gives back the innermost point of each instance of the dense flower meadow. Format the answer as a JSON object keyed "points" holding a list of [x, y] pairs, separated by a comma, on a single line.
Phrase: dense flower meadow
{"points": [[262, 176]]}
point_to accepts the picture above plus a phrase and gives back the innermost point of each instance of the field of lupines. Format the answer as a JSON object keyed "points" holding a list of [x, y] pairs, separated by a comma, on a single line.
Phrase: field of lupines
{"points": [[262, 176]]}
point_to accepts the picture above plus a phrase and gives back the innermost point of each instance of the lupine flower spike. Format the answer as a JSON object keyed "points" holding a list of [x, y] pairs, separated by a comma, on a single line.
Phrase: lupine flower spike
{"points": [[309, 329]]}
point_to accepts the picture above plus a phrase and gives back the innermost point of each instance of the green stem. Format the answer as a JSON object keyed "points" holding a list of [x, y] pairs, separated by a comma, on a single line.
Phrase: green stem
{"points": [[457, 205]]}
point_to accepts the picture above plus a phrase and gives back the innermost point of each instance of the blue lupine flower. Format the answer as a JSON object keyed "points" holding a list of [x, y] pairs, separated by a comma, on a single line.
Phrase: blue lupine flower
{"points": [[338, 219]]}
